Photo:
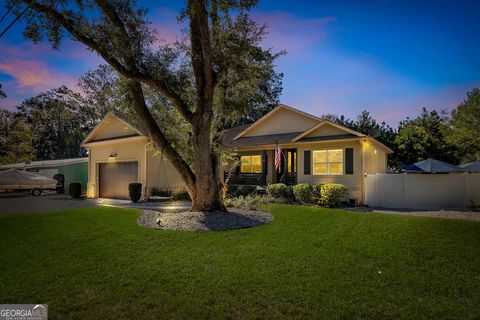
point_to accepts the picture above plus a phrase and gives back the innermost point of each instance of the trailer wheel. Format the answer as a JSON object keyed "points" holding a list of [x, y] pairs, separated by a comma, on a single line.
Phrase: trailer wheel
{"points": [[36, 192]]}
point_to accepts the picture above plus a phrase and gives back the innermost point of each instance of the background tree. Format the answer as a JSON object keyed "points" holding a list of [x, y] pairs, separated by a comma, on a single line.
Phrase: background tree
{"points": [[368, 125], [6, 121], [58, 120], [222, 54], [18, 144], [424, 137], [2, 94], [464, 130]]}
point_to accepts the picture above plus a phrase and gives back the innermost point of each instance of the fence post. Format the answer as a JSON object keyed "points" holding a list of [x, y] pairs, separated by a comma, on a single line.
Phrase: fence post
{"points": [[466, 190]]}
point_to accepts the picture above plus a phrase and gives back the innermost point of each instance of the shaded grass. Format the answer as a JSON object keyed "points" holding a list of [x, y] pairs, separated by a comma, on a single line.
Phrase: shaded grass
{"points": [[309, 263]]}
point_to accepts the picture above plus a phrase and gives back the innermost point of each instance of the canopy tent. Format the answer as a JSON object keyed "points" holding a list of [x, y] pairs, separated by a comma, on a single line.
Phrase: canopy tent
{"points": [[17, 179], [431, 166], [471, 167]]}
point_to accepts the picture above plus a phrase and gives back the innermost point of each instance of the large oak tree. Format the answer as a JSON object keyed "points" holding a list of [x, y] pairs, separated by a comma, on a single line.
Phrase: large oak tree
{"points": [[200, 77]]}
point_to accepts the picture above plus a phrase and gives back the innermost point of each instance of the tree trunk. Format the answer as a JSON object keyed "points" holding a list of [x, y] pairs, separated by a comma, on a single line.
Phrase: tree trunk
{"points": [[207, 194]]}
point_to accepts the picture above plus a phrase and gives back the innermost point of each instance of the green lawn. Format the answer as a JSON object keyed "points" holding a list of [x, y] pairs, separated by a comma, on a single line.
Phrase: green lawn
{"points": [[309, 263]]}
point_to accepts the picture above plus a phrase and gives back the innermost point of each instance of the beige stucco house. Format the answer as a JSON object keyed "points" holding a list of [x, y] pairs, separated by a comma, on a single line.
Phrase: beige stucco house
{"points": [[314, 150]]}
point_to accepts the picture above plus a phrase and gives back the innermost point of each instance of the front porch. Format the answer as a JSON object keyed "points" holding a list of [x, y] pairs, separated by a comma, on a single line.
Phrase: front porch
{"points": [[258, 168]]}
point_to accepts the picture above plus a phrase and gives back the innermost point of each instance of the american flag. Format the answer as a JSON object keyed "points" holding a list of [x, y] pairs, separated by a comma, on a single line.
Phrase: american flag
{"points": [[278, 156]]}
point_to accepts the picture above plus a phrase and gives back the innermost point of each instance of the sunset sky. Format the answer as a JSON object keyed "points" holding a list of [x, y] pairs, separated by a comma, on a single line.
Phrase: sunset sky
{"points": [[389, 57]]}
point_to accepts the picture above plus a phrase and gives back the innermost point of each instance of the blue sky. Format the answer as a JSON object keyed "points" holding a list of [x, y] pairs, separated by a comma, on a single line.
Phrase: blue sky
{"points": [[389, 57]]}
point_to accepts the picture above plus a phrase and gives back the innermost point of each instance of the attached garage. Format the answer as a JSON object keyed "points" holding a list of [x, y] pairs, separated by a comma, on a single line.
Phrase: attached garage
{"points": [[119, 154], [114, 178]]}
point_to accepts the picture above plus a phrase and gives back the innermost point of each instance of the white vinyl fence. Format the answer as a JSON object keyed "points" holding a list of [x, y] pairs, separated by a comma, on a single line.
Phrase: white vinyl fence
{"points": [[422, 191]]}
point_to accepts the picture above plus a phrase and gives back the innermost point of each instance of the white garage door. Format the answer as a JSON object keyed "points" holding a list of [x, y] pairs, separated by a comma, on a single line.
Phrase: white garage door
{"points": [[114, 179]]}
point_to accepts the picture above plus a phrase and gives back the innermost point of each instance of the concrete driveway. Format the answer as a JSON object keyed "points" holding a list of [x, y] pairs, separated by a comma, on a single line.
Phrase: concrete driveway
{"points": [[21, 203]]}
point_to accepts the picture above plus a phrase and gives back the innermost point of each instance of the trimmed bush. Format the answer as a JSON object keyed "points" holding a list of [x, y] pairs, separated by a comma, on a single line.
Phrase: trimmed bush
{"points": [[135, 191], [75, 189], [474, 205], [181, 196], [331, 194], [245, 191], [316, 190], [231, 190], [160, 192], [303, 193], [278, 190]]}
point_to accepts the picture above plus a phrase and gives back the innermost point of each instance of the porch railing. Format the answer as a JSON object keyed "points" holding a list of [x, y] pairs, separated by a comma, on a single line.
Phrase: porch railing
{"points": [[258, 179]]}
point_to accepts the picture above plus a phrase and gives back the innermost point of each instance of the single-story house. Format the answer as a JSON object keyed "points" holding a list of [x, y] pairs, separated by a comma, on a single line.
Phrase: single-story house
{"points": [[314, 150], [74, 169]]}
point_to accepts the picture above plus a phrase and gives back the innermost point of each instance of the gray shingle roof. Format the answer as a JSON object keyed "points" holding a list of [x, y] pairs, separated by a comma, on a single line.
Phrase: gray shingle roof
{"points": [[229, 138], [432, 166]]}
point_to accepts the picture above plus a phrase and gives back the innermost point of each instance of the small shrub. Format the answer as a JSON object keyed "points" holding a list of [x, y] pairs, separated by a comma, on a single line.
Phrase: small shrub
{"points": [[135, 191], [474, 205], [251, 202], [278, 190], [160, 192], [331, 194], [316, 190], [302, 193], [246, 190], [181, 196], [75, 189], [231, 190]]}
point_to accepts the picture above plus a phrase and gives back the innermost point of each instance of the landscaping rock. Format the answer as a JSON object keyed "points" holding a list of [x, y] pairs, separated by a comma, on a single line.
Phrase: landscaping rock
{"points": [[201, 221]]}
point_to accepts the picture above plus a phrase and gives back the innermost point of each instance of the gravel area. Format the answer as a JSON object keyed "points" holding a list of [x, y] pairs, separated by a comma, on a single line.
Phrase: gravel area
{"points": [[449, 214], [200, 221]]}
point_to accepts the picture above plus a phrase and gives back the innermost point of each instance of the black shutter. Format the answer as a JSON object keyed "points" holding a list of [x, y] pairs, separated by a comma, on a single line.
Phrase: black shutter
{"points": [[306, 162], [237, 169], [349, 161], [264, 162]]}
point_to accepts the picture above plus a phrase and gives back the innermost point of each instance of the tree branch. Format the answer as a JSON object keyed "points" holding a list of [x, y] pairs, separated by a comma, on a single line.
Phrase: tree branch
{"points": [[161, 86], [135, 89], [202, 56]]}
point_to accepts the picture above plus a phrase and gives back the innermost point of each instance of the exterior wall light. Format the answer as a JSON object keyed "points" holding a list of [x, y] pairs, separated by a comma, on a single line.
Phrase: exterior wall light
{"points": [[112, 156], [91, 191]]}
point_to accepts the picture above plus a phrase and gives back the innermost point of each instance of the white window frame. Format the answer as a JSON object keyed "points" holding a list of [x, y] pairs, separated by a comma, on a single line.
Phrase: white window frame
{"points": [[328, 174], [251, 165]]}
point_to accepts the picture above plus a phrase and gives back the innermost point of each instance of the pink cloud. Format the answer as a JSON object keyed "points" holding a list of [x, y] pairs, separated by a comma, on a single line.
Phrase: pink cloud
{"points": [[32, 75], [36, 68]]}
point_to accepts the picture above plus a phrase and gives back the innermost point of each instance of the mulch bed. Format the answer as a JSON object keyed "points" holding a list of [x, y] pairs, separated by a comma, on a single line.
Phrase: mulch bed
{"points": [[201, 221]]}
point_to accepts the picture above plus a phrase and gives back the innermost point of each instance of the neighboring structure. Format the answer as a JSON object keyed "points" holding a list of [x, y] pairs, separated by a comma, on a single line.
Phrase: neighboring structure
{"points": [[119, 154], [432, 166], [471, 167], [73, 169], [314, 151]]}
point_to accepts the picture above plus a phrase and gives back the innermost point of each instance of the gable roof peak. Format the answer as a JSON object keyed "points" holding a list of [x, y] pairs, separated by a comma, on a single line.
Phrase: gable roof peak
{"points": [[110, 114], [272, 112]]}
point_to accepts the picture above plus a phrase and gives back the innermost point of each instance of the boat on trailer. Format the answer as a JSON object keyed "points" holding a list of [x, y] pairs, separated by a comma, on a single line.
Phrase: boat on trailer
{"points": [[17, 180]]}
